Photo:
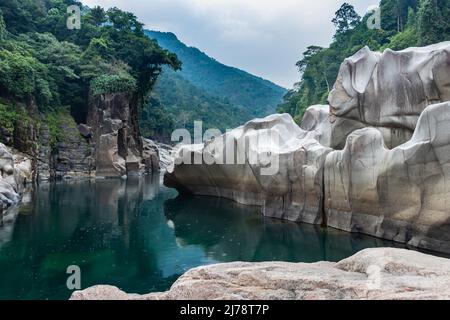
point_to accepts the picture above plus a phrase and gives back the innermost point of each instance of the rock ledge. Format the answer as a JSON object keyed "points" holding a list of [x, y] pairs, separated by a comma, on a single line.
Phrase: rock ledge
{"points": [[381, 273]]}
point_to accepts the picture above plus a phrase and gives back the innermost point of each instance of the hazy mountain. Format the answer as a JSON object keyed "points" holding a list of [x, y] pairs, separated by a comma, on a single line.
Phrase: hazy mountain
{"points": [[256, 95]]}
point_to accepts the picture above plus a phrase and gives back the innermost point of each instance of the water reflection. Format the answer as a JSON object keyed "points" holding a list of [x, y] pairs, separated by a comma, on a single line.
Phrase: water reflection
{"points": [[139, 236], [230, 232]]}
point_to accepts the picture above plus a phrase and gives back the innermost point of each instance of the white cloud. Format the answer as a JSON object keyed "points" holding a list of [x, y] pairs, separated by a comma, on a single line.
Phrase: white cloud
{"points": [[264, 37]]}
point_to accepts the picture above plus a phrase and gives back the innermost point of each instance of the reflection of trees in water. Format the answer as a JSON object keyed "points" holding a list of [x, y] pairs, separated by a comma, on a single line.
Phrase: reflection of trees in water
{"points": [[231, 232], [97, 225]]}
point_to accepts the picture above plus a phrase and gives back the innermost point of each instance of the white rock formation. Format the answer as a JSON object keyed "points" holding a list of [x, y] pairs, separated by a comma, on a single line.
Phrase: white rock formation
{"points": [[389, 175], [370, 274], [15, 171], [401, 194], [165, 155], [273, 164], [390, 90]]}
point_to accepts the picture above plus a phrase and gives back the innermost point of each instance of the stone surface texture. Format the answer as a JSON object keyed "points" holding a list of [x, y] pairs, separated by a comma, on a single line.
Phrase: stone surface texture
{"points": [[292, 191], [118, 144], [15, 172], [380, 273], [375, 161]]}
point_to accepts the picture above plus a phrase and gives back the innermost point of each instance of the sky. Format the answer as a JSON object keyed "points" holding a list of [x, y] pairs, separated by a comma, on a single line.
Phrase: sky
{"points": [[263, 37]]}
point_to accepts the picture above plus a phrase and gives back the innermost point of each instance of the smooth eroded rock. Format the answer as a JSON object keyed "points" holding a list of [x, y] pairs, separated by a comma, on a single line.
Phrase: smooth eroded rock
{"points": [[375, 161], [268, 162], [381, 273], [391, 89], [401, 194]]}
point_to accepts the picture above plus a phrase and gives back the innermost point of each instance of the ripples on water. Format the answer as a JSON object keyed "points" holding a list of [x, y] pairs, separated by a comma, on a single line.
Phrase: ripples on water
{"points": [[140, 236]]}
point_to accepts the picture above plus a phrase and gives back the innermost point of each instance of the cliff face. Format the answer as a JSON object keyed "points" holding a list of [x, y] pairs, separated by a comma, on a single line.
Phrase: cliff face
{"points": [[119, 148], [109, 145], [375, 161]]}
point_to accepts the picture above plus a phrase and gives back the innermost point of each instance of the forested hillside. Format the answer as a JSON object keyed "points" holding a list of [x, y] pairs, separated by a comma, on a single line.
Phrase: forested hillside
{"points": [[48, 69], [257, 95], [177, 103], [404, 23]]}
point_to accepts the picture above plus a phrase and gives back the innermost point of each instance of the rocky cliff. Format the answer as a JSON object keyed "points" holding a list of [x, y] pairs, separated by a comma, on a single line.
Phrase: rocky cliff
{"points": [[56, 147], [375, 161], [119, 147], [387, 274]]}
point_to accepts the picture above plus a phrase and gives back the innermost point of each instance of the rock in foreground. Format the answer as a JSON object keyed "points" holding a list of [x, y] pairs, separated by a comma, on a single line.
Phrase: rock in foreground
{"points": [[370, 274]]}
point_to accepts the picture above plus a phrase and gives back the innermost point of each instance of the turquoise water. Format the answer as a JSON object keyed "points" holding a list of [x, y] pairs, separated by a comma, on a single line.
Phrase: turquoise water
{"points": [[141, 236]]}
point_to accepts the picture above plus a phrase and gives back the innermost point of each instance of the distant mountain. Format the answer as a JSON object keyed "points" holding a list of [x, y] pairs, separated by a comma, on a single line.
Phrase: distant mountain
{"points": [[186, 103], [222, 96]]}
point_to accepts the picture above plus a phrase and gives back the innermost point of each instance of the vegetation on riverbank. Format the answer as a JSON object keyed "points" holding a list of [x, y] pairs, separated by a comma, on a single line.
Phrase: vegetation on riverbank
{"points": [[45, 65], [404, 23]]}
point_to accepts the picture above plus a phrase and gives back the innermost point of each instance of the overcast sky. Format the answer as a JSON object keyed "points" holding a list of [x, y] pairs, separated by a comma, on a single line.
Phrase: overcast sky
{"points": [[263, 37]]}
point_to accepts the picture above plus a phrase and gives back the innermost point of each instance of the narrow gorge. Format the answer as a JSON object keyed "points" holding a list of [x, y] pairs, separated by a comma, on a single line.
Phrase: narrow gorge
{"points": [[374, 161], [239, 150]]}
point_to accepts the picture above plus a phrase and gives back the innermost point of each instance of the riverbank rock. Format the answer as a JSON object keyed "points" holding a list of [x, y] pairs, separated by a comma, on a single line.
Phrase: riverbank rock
{"points": [[390, 90], [166, 158], [268, 162], [381, 273], [119, 147], [374, 161], [73, 155], [401, 194], [15, 172], [8, 186]]}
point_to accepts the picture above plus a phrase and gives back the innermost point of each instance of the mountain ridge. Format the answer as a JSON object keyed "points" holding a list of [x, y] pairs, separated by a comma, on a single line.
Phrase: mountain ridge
{"points": [[257, 95]]}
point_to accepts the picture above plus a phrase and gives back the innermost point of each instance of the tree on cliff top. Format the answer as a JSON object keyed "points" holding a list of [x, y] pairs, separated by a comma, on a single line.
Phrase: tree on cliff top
{"points": [[110, 47]]}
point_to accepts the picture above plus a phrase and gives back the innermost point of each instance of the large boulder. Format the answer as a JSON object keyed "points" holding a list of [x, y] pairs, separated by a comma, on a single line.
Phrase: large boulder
{"points": [[383, 273], [400, 194], [268, 162], [375, 161], [8, 185], [15, 172], [390, 90]]}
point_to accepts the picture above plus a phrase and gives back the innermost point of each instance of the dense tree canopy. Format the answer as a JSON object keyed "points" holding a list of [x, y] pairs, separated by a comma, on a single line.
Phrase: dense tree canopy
{"points": [[41, 58]]}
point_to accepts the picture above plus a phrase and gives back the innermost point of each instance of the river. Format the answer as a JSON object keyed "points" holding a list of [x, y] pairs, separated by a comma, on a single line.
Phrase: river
{"points": [[140, 236]]}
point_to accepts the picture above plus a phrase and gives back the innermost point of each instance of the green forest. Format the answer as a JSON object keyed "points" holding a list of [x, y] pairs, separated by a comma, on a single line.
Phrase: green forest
{"points": [[404, 23], [176, 102], [222, 97], [48, 69], [49, 72]]}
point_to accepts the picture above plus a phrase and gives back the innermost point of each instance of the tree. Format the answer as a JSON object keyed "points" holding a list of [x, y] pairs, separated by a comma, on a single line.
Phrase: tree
{"points": [[310, 52], [98, 15], [394, 14], [346, 18], [23, 76], [432, 21], [23, 15], [42, 59], [2, 26]]}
